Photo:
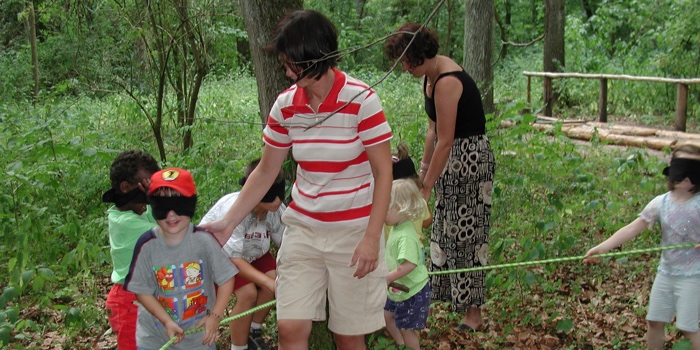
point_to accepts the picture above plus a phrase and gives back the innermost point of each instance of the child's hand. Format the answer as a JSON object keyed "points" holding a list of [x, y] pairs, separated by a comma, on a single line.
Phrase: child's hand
{"points": [[143, 185], [697, 246], [172, 329], [594, 251], [211, 329]]}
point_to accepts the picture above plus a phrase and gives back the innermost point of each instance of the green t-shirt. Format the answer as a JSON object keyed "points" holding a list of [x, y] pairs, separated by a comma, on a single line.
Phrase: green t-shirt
{"points": [[417, 222], [125, 228], [404, 245]]}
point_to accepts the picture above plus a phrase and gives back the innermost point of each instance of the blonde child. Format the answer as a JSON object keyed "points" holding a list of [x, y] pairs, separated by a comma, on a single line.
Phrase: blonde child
{"points": [[406, 312], [403, 168], [174, 269], [677, 282]]}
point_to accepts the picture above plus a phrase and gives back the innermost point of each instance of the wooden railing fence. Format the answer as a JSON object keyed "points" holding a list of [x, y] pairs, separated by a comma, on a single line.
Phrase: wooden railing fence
{"points": [[679, 122]]}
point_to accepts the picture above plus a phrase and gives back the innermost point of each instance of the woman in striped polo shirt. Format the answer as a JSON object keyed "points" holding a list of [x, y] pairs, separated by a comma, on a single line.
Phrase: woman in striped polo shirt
{"points": [[333, 245]]}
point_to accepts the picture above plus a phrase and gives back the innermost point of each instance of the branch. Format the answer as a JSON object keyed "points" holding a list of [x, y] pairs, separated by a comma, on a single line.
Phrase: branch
{"points": [[523, 44]]}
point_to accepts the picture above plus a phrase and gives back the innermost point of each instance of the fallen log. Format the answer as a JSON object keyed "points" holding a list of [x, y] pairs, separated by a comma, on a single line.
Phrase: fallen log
{"points": [[588, 132]]}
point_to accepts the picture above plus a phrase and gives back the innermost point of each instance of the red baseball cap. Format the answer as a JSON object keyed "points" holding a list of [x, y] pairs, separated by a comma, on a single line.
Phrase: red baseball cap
{"points": [[178, 179]]}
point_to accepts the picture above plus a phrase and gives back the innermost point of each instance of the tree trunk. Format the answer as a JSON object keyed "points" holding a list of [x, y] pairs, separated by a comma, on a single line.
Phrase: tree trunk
{"points": [[261, 17], [447, 43], [193, 39], [588, 8], [554, 18], [503, 31], [31, 24], [478, 47], [359, 12]]}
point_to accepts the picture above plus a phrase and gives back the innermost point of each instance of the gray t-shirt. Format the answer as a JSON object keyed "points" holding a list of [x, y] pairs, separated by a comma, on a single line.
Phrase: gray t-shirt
{"points": [[182, 278], [680, 224], [251, 238]]}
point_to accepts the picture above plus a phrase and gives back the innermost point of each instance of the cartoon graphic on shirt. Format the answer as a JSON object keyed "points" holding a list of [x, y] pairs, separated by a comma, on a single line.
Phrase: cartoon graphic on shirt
{"points": [[192, 274], [165, 278], [170, 306], [182, 291], [196, 304]]}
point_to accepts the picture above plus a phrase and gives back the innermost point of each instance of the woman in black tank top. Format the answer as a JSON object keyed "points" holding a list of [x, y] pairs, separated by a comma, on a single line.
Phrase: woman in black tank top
{"points": [[458, 164]]}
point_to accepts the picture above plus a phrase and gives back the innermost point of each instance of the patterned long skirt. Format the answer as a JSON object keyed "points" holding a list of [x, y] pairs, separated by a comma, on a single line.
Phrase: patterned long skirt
{"points": [[460, 233]]}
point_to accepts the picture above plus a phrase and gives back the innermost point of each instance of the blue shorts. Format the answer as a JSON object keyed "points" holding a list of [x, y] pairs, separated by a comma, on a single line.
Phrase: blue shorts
{"points": [[411, 313]]}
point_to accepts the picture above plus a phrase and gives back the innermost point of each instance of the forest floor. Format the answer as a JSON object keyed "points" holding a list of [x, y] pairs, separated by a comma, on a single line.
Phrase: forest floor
{"points": [[612, 312]]}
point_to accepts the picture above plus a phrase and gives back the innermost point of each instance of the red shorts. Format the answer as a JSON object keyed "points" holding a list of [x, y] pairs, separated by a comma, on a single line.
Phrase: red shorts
{"points": [[263, 264], [122, 310]]}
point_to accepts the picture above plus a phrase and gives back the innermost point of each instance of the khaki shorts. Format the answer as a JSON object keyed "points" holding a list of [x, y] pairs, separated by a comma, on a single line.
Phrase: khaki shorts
{"points": [[313, 261], [675, 296]]}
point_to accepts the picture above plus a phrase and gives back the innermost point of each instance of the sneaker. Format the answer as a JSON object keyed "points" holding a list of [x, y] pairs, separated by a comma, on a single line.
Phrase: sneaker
{"points": [[255, 340]]}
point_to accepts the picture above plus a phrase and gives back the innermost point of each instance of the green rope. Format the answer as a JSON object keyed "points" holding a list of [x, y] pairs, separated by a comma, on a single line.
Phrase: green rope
{"points": [[569, 258], [223, 322], [480, 268]]}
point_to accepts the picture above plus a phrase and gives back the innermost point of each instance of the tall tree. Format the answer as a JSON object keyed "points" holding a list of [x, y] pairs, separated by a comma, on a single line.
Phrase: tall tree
{"points": [[31, 26], [261, 17], [478, 47], [554, 19], [193, 67]]}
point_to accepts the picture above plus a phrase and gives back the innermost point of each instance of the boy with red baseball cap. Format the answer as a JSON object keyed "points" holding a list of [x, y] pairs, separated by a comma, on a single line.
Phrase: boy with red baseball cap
{"points": [[174, 269]]}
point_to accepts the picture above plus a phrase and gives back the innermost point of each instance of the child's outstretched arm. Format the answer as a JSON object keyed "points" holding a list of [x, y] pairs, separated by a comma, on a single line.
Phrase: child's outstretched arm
{"points": [[402, 270], [621, 236], [259, 181], [153, 306], [216, 314]]}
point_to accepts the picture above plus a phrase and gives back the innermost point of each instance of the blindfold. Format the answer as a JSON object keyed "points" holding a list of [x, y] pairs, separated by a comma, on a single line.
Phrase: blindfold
{"points": [[135, 196], [161, 206], [683, 167], [276, 190], [403, 168]]}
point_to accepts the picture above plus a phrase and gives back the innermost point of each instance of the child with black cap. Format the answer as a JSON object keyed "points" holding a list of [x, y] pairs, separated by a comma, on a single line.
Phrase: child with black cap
{"points": [[403, 168], [248, 248], [174, 269], [677, 281], [129, 217]]}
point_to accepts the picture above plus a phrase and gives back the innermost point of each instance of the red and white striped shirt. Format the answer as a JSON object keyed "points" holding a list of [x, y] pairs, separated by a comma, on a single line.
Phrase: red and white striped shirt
{"points": [[334, 182]]}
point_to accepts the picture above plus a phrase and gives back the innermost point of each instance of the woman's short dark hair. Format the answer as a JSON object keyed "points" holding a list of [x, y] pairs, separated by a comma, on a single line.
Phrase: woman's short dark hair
{"points": [[309, 42], [423, 47]]}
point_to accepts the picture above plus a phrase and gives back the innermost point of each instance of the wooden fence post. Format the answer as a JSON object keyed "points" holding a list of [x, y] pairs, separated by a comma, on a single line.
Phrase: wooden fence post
{"points": [[681, 107], [547, 92], [603, 101], [528, 89]]}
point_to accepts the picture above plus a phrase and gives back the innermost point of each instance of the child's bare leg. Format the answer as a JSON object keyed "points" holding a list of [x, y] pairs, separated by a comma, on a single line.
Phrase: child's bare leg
{"points": [[391, 328], [694, 338], [412, 339], [264, 296], [245, 300], [655, 335]]}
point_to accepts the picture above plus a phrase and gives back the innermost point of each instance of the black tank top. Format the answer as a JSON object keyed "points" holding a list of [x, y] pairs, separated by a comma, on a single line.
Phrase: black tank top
{"points": [[470, 111]]}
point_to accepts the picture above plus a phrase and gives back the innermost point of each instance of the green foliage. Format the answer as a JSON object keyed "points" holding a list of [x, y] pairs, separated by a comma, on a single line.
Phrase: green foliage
{"points": [[378, 341]]}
